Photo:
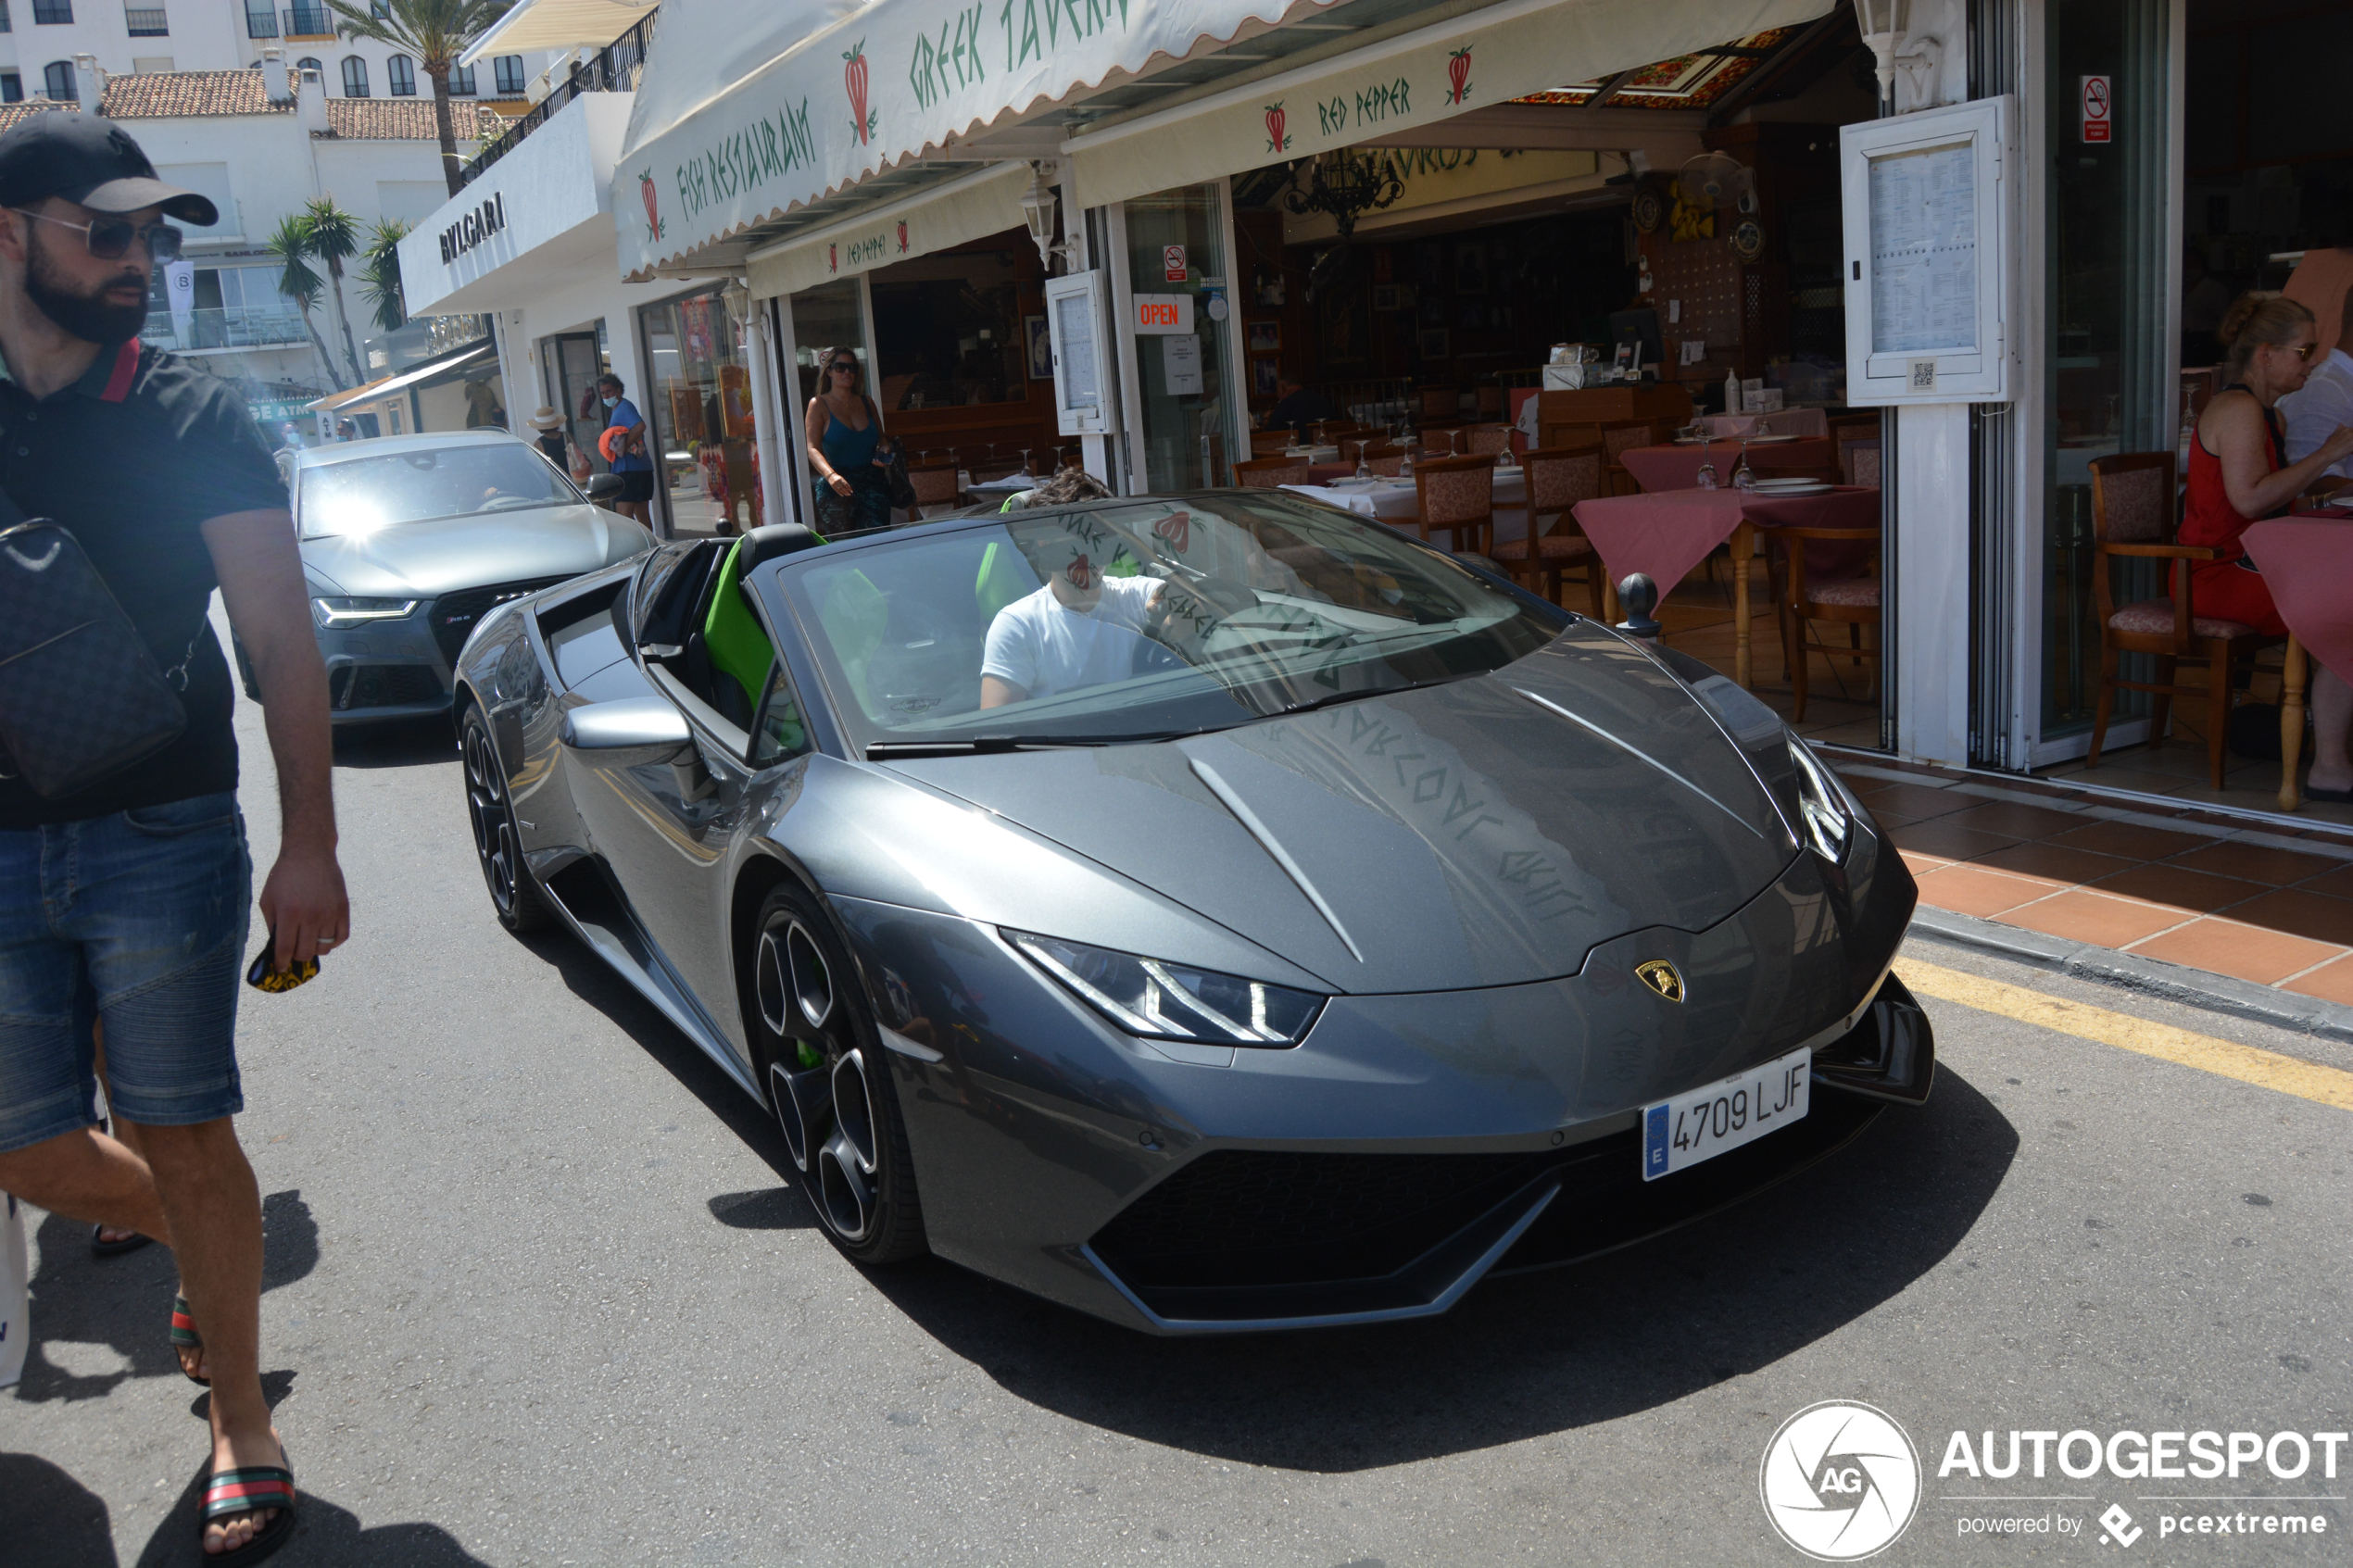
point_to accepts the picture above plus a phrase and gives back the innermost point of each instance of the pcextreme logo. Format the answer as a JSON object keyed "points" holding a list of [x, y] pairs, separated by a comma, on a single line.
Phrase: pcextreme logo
{"points": [[1839, 1481]]}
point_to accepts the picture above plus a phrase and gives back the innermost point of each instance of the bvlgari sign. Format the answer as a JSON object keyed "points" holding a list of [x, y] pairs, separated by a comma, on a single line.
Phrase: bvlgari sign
{"points": [[473, 225]]}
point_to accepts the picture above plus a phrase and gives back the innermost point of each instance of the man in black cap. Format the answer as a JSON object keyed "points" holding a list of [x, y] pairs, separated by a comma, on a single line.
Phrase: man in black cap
{"points": [[125, 904]]}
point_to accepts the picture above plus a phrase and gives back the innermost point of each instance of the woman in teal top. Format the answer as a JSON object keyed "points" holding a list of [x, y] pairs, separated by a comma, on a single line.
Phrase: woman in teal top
{"points": [[847, 450]]}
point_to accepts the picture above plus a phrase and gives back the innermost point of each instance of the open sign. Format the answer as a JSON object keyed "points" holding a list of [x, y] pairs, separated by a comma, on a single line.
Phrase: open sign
{"points": [[1162, 314]]}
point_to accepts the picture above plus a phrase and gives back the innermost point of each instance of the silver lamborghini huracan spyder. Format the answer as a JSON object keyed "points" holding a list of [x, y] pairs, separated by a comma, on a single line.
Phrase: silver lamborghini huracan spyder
{"points": [[1211, 911]]}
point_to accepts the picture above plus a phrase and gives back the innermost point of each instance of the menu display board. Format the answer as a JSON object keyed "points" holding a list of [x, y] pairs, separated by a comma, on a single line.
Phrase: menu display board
{"points": [[1074, 307], [1924, 251], [1925, 207]]}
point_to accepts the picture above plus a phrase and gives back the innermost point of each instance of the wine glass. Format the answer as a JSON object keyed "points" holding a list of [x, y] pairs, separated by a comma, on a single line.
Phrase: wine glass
{"points": [[1706, 478], [1364, 469], [1024, 460], [1741, 478]]}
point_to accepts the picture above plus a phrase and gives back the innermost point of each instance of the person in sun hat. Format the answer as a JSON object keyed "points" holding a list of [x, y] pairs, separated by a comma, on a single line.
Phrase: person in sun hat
{"points": [[550, 426], [125, 904]]}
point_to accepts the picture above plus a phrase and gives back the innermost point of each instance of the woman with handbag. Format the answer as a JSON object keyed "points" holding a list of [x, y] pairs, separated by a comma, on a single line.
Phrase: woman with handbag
{"points": [[848, 455]]}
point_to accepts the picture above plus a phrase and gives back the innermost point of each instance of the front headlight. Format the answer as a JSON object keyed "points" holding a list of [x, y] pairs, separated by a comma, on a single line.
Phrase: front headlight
{"points": [[1829, 824], [338, 614], [1167, 1002]]}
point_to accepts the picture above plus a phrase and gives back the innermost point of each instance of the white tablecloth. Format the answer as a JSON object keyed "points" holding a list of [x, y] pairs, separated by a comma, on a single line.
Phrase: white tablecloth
{"points": [[1392, 500]]}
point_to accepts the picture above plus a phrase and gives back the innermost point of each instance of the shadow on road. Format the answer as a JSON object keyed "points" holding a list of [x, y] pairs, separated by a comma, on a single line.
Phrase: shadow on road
{"points": [[1521, 1357], [48, 1518], [401, 743], [124, 1303]]}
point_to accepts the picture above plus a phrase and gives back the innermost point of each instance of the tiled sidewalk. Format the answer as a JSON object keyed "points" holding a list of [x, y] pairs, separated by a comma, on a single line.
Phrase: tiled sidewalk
{"points": [[2267, 904]]}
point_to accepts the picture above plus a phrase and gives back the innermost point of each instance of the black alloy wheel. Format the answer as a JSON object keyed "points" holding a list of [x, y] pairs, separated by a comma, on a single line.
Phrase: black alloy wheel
{"points": [[829, 1083], [513, 893]]}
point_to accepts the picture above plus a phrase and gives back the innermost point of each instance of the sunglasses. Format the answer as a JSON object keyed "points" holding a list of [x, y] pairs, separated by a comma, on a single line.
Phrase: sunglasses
{"points": [[2304, 353], [843, 368], [110, 238]]}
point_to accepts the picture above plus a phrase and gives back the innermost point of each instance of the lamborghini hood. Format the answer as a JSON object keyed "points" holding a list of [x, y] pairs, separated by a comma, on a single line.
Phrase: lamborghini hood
{"points": [[1488, 832]]}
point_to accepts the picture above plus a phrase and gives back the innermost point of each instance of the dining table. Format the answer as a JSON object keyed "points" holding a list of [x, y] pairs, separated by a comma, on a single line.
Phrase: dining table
{"points": [[1394, 501], [1664, 534], [2307, 560], [1675, 465], [1779, 421]]}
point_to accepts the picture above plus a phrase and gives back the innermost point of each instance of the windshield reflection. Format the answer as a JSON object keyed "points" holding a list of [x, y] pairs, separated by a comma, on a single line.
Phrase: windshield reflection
{"points": [[358, 495], [1144, 618]]}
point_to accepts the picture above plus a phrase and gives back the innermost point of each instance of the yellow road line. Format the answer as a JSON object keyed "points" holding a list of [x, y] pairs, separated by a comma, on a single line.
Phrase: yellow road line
{"points": [[2225, 1058]]}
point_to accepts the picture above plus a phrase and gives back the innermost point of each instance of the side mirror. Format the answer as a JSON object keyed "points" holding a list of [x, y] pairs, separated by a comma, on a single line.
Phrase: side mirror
{"points": [[633, 724], [601, 485]]}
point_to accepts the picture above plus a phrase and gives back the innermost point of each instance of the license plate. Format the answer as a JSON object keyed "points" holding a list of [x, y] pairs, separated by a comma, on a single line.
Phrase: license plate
{"points": [[1701, 1123]]}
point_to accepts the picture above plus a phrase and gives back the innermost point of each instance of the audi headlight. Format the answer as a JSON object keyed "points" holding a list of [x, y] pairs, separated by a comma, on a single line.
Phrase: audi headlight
{"points": [[1830, 826], [338, 614], [1170, 1001]]}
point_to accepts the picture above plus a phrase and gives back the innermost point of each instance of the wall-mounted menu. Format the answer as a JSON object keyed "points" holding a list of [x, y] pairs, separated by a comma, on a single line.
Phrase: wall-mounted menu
{"points": [[1923, 215]]}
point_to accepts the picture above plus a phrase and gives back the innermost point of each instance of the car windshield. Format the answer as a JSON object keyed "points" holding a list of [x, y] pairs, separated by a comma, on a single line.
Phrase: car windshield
{"points": [[360, 496], [1143, 619]]}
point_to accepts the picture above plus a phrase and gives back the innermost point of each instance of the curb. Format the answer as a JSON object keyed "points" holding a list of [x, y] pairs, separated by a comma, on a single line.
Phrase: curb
{"points": [[2150, 977]]}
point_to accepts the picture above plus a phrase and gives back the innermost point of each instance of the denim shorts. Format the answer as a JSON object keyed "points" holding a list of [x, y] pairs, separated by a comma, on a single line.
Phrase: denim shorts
{"points": [[137, 918]]}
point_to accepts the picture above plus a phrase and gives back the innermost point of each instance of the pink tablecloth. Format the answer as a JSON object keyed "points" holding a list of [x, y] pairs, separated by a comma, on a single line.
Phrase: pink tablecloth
{"points": [[2308, 564], [1664, 535], [1676, 468]]}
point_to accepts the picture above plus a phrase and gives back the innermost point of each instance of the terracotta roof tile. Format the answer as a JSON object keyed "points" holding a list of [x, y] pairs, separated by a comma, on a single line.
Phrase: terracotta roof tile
{"points": [[183, 95]]}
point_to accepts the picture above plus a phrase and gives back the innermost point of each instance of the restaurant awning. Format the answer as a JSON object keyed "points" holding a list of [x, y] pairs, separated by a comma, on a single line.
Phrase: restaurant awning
{"points": [[986, 201], [375, 391], [557, 24], [1414, 79], [741, 120]]}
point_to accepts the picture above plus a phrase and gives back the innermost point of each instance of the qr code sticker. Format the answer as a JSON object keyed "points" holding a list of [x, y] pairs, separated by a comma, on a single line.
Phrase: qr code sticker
{"points": [[1923, 375]]}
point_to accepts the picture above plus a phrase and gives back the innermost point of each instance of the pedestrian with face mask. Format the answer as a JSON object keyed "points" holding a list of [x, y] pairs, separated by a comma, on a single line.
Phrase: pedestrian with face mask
{"points": [[626, 451], [125, 900]]}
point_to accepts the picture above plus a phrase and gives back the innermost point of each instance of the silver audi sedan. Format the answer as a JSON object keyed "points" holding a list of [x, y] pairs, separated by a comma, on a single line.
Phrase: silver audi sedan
{"points": [[409, 540]]}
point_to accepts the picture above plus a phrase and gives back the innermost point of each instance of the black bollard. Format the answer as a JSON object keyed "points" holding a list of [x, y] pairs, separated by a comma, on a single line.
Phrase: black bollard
{"points": [[1637, 595]]}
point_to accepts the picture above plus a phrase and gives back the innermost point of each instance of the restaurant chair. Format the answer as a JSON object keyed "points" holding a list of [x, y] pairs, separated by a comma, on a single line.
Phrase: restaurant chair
{"points": [[2132, 518], [1458, 494], [1437, 402], [1488, 440], [1491, 402], [935, 486], [1842, 426], [1859, 454], [1619, 436], [1387, 458], [1557, 479], [1271, 443], [1854, 601], [1265, 474]]}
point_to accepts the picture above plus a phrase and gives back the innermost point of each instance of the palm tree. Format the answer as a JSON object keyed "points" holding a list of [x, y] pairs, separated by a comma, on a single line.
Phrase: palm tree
{"points": [[335, 239], [290, 244], [380, 274], [436, 32]]}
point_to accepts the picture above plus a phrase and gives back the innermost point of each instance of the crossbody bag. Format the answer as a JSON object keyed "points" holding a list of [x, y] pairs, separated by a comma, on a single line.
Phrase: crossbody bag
{"points": [[81, 697]]}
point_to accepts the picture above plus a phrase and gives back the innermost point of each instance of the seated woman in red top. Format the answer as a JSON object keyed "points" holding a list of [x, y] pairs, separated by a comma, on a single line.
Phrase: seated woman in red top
{"points": [[2236, 478]]}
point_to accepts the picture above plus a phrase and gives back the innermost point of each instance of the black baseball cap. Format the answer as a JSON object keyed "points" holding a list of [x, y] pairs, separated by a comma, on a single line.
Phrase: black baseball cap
{"points": [[93, 162]]}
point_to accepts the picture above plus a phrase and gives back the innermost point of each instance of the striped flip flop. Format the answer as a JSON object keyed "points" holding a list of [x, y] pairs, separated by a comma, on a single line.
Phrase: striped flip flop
{"points": [[185, 1337], [245, 1490]]}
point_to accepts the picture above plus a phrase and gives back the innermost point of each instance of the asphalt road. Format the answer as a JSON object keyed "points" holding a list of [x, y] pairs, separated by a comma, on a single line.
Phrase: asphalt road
{"points": [[537, 1294]]}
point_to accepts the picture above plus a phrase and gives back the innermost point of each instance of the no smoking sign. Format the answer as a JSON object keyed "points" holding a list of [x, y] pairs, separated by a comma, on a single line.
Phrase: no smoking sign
{"points": [[2099, 125], [1172, 263]]}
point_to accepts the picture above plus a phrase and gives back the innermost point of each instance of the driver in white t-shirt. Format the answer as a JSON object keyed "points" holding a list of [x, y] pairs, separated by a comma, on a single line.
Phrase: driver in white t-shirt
{"points": [[1081, 628]]}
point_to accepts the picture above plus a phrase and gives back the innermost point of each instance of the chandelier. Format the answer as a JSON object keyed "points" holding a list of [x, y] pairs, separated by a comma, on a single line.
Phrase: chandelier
{"points": [[1345, 184]]}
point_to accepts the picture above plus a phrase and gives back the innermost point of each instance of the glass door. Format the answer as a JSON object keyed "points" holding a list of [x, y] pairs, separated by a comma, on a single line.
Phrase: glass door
{"points": [[574, 361], [2107, 355], [1176, 245]]}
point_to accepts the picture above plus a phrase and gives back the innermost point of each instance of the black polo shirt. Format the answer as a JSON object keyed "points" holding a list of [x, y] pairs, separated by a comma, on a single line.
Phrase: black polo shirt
{"points": [[132, 459]]}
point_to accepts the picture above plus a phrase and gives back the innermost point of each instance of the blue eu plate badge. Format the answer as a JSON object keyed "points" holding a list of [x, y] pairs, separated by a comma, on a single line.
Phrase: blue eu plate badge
{"points": [[1655, 1130]]}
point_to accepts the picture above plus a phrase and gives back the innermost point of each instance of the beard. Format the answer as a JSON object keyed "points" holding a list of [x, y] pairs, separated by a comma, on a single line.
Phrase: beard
{"points": [[87, 317]]}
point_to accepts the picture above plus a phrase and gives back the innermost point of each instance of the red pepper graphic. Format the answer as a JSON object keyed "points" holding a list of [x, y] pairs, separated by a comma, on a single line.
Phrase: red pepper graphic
{"points": [[1458, 72], [653, 213], [853, 75], [1177, 528], [902, 239], [1276, 141], [1081, 574], [832, 259]]}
